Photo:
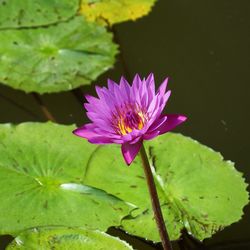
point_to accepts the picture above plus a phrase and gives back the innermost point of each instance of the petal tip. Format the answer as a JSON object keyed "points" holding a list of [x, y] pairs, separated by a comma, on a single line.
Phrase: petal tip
{"points": [[150, 75], [183, 118], [76, 132], [129, 151], [87, 96]]}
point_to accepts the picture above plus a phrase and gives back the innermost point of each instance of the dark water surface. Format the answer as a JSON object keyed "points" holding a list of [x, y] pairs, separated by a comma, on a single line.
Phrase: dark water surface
{"points": [[204, 47]]}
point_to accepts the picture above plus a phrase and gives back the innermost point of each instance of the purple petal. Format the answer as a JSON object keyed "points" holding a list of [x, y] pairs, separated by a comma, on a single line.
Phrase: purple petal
{"points": [[162, 101], [151, 87], [102, 93], [144, 94], [120, 97], [86, 131], [100, 140], [165, 98], [157, 123], [133, 136], [150, 82], [163, 87], [91, 99], [99, 91], [111, 85], [153, 105], [102, 110], [150, 136], [135, 93], [136, 82], [135, 140], [125, 88], [96, 135], [129, 151], [172, 121]]}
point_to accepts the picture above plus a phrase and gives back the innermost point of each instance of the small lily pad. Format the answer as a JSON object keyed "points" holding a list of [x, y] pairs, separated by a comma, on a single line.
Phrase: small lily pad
{"points": [[26, 13], [194, 185], [41, 179], [115, 11], [55, 58], [66, 238]]}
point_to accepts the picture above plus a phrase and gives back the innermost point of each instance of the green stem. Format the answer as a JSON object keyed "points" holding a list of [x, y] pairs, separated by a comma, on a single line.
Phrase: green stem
{"points": [[155, 201]]}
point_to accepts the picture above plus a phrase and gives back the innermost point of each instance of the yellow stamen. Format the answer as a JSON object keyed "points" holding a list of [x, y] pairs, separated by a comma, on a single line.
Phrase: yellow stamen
{"points": [[127, 128]]}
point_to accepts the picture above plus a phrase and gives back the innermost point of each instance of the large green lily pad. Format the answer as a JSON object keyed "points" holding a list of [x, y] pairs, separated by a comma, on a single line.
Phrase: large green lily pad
{"points": [[115, 11], [27, 13], [41, 179], [65, 239], [198, 190], [55, 58]]}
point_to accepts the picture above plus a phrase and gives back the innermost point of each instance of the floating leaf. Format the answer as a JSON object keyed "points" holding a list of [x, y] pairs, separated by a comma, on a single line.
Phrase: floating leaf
{"points": [[194, 185], [26, 13], [55, 58], [66, 238], [41, 179], [115, 11]]}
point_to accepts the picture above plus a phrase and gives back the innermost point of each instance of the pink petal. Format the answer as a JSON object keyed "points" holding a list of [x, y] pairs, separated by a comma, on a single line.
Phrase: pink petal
{"points": [[172, 121], [129, 151]]}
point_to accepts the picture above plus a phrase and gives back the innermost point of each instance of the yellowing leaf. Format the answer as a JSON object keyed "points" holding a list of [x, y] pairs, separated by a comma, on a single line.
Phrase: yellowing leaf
{"points": [[115, 11]]}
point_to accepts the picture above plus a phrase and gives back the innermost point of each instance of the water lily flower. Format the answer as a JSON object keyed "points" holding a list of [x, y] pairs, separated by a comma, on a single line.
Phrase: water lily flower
{"points": [[127, 115]]}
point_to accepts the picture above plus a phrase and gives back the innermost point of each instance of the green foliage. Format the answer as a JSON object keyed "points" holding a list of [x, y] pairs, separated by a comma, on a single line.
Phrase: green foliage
{"points": [[65, 239], [115, 11], [50, 177], [27, 13], [55, 58], [41, 179], [194, 185], [46, 47]]}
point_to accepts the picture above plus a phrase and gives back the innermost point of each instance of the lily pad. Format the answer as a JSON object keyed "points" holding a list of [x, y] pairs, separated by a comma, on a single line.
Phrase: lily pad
{"points": [[41, 179], [115, 11], [55, 58], [66, 238], [194, 185], [26, 13]]}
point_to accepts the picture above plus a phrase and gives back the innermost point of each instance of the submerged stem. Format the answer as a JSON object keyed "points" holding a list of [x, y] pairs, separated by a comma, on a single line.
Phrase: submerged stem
{"points": [[155, 201], [44, 109]]}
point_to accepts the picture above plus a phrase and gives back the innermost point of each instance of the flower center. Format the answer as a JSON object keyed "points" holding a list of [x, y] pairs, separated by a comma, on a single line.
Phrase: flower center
{"points": [[130, 120], [128, 117]]}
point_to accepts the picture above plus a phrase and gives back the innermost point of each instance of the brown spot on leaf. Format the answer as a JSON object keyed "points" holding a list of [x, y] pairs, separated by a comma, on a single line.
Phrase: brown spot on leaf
{"points": [[45, 204]]}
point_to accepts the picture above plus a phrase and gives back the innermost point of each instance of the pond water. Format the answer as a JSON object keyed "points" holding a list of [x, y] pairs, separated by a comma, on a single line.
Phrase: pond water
{"points": [[204, 47]]}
